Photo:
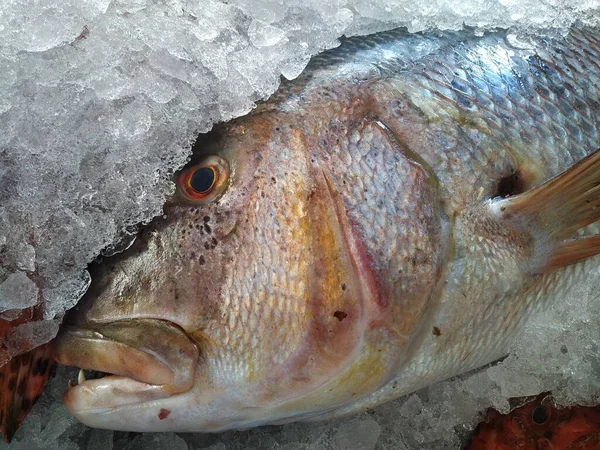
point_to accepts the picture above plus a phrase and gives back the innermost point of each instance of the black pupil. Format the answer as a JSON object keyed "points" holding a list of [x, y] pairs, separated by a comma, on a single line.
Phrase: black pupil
{"points": [[203, 179], [539, 415]]}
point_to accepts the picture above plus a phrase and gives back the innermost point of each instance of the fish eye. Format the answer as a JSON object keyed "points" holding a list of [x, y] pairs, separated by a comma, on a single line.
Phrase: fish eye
{"points": [[539, 415], [205, 181]]}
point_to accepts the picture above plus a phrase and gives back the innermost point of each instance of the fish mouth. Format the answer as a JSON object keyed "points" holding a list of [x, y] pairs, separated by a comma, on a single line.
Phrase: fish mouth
{"points": [[147, 359]]}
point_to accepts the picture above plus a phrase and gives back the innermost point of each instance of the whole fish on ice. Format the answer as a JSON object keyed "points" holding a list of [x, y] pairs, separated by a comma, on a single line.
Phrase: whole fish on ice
{"points": [[388, 220]]}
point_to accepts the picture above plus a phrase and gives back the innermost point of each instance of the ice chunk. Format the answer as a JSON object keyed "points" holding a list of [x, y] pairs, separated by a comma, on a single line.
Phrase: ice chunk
{"points": [[217, 446], [29, 335], [100, 440], [9, 316], [17, 292], [55, 423], [294, 67], [48, 427], [358, 433], [411, 407], [157, 441], [264, 35], [28, 433], [26, 258], [66, 294]]}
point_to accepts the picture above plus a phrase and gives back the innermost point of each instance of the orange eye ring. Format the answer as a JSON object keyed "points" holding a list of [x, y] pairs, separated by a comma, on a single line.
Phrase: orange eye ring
{"points": [[204, 182]]}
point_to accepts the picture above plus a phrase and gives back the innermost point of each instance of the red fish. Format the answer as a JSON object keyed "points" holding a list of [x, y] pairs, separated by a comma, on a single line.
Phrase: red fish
{"points": [[22, 377], [539, 425]]}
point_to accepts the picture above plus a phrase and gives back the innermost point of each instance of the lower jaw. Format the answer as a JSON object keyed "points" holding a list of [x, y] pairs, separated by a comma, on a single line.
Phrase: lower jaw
{"points": [[110, 392]]}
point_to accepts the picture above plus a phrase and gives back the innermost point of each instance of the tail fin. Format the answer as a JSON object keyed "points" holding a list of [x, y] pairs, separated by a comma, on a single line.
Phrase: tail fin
{"points": [[554, 211]]}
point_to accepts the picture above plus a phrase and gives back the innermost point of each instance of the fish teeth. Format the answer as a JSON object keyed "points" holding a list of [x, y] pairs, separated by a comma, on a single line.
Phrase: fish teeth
{"points": [[80, 377]]}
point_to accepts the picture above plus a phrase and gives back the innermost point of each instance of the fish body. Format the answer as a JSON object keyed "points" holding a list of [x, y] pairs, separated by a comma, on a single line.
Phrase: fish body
{"points": [[380, 224]]}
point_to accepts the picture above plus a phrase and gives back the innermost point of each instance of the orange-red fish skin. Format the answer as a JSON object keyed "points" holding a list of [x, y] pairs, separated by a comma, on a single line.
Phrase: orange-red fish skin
{"points": [[22, 381], [538, 425], [23, 377]]}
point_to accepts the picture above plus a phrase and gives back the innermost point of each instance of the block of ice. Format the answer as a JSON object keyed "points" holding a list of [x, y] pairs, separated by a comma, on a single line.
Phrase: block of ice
{"points": [[17, 291], [26, 336], [156, 441], [358, 433], [100, 440], [48, 428], [26, 258]]}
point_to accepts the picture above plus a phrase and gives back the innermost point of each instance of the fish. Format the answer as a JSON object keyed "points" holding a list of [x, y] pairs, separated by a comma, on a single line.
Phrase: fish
{"points": [[25, 370], [388, 220], [537, 425]]}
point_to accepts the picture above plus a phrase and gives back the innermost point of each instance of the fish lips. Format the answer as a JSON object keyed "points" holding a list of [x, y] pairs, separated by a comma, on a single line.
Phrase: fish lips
{"points": [[150, 359]]}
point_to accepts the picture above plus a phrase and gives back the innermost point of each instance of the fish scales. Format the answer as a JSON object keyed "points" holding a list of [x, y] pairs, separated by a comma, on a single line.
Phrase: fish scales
{"points": [[480, 91], [387, 220]]}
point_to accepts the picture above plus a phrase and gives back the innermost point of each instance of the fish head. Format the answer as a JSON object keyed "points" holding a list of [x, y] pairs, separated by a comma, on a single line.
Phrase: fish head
{"points": [[264, 293]]}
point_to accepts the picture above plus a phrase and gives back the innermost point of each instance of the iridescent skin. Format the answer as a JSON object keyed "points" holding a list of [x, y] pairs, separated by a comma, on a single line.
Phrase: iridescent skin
{"points": [[351, 259]]}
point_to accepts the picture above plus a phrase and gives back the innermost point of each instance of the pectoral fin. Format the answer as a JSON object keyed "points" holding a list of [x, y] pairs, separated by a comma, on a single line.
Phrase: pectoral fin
{"points": [[554, 211]]}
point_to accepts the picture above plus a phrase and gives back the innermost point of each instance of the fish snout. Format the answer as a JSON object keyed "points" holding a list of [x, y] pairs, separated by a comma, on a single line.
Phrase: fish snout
{"points": [[148, 359]]}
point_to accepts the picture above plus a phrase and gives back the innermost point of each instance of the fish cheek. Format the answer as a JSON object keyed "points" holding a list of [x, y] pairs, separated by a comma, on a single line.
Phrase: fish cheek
{"points": [[205, 251], [391, 200], [374, 234], [200, 234], [171, 272]]}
